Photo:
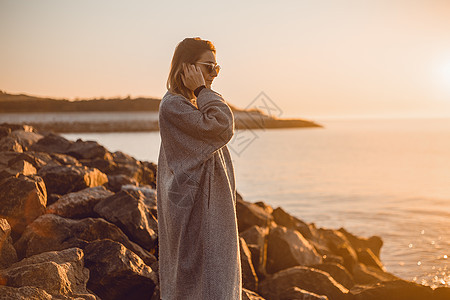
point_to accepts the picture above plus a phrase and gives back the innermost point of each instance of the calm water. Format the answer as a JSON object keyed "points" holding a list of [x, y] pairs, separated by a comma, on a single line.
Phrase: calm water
{"points": [[373, 177]]}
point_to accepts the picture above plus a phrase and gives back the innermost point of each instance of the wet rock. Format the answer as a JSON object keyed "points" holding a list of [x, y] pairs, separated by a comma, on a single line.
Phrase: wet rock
{"points": [[22, 199], [128, 210], [58, 273], [338, 272], [50, 232], [393, 290], [118, 273], [339, 245], [65, 179], [249, 278], [8, 254], [287, 248], [312, 280], [295, 293], [78, 205], [24, 293], [249, 214]]}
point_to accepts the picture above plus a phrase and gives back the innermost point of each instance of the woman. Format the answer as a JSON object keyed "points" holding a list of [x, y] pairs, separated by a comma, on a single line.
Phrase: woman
{"points": [[199, 255]]}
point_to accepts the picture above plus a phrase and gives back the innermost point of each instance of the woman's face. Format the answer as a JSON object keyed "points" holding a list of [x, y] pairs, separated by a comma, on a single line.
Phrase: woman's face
{"points": [[207, 57]]}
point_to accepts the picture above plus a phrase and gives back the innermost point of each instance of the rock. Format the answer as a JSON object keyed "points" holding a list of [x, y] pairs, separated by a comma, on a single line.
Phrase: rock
{"points": [[65, 179], [250, 295], [127, 210], [118, 273], [58, 273], [24, 293], [363, 274], [441, 293], [8, 254], [22, 199], [295, 293], [87, 150], [305, 278], [284, 219], [9, 143], [52, 143], [287, 248], [26, 138], [249, 214], [374, 243], [339, 245], [79, 204], [393, 290], [10, 166], [65, 160], [367, 257], [338, 272], [53, 233], [249, 278], [255, 235], [115, 182], [259, 260]]}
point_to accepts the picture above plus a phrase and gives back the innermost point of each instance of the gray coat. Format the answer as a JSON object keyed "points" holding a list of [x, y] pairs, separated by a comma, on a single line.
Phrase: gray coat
{"points": [[199, 255]]}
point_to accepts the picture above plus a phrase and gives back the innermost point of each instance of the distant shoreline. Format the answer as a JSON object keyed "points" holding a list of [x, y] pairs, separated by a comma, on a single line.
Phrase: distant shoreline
{"points": [[21, 103]]}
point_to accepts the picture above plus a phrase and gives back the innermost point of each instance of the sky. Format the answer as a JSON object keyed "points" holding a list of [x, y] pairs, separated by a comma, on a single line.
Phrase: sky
{"points": [[312, 59]]}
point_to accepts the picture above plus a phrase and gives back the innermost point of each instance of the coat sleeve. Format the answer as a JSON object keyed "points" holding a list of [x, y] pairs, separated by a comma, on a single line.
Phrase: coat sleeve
{"points": [[212, 123]]}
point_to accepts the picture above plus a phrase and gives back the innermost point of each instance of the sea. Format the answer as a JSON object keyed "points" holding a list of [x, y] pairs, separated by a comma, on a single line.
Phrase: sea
{"points": [[384, 177]]}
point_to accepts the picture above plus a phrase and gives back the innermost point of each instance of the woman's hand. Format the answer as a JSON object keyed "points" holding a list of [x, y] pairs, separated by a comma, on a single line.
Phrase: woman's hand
{"points": [[192, 76]]}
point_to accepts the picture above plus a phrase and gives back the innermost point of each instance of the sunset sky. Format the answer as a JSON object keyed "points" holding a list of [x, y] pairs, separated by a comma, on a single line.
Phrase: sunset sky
{"points": [[312, 58]]}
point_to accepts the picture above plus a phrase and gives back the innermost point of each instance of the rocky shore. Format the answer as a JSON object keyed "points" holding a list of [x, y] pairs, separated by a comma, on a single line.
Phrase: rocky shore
{"points": [[80, 222]]}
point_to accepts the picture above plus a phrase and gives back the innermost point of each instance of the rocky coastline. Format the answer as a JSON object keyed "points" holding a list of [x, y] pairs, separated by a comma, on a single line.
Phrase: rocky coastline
{"points": [[80, 222]]}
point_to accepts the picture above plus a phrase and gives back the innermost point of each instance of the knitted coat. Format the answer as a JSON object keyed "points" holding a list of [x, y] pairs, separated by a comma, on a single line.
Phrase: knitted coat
{"points": [[199, 256]]}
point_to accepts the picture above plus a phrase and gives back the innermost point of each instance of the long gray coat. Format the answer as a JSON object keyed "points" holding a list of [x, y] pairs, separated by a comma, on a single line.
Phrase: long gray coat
{"points": [[198, 238]]}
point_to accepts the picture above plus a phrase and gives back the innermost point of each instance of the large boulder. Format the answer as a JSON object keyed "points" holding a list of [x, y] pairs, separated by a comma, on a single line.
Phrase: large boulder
{"points": [[118, 273], [78, 205], [58, 273], [65, 179], [312, 280], [22, 200], [128, 210], [8, 254], [50, 232], [287, 248]]}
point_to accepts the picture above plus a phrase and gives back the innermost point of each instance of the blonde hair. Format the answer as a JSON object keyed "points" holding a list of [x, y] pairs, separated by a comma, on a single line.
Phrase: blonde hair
{"points": [[187, 51]]}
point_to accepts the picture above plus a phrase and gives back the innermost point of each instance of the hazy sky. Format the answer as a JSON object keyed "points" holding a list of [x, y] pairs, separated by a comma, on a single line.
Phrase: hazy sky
{"points": [[312, 58]]}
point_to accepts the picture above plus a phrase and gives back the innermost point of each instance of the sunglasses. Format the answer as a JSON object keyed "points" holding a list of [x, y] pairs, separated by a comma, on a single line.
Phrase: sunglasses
{"points": [[211, 67]]}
